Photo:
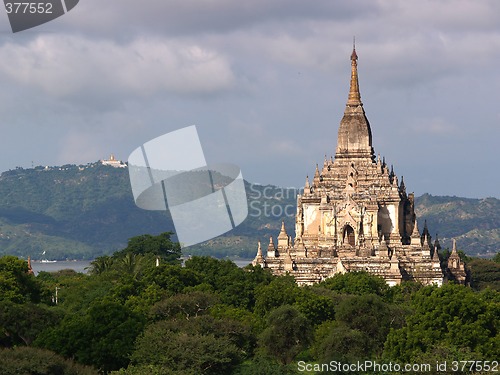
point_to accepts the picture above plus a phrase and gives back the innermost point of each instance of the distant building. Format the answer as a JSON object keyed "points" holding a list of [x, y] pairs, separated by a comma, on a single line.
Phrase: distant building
{"points": [[355, 216], [30, 268], [113, 162]]}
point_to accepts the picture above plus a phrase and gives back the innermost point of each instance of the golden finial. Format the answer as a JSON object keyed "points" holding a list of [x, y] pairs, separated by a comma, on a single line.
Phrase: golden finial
{"points": [[354, 98]]}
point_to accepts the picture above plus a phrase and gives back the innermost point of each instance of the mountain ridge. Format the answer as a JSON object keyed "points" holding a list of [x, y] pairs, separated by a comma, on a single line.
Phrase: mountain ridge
{"points": [[83, 211]]}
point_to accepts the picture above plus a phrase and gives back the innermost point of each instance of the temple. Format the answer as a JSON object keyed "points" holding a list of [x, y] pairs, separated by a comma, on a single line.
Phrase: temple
{"points": [[355, 215], [113, 162]]}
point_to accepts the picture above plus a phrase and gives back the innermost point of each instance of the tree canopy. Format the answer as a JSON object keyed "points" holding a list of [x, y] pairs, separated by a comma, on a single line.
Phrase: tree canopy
{"points": [[139, 311]]}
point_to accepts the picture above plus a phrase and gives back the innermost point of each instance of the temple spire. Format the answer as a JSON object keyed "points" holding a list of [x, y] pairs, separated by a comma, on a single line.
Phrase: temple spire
{"points": [[30, 268], [354, 98], [354, 136], [435, 256], [283, 230], [259, 259]]}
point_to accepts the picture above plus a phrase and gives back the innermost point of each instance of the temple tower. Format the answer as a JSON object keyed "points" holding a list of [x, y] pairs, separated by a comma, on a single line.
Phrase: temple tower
{"points": [[354, 215], [354, 136]]}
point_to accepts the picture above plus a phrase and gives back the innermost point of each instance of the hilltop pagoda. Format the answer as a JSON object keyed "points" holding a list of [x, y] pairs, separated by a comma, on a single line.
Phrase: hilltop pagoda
{"points": [[355, 215]]}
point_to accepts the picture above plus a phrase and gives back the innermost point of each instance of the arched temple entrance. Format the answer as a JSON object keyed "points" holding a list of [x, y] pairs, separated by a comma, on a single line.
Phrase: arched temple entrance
{"points": [[348, 236]]}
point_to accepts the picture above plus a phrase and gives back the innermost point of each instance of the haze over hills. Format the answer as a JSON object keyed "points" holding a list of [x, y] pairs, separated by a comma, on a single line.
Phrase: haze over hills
{"points": [[80, 212]]}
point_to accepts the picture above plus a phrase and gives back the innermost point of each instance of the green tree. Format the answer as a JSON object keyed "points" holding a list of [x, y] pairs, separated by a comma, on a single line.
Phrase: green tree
{"points": [[185, 306], [151, 370], [200, 345], [337, 341], [31, 361], [172, 278], [485, 273], [212, 270], [130, 264], [100, 264], [102, 337], [402, 293], [451, 315], [261, 365], [161, 246], [359, 283], [143, 301], [441, 353], [77, 291], [236, 286], [287, 334], [316, 308], [16, 284], [280, 291], [369, 315], [22, 323]]}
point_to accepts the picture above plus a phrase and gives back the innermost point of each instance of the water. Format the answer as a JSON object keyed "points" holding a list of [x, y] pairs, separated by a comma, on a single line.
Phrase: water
{"points": [[242, 262], [77, 265], [81, 265]]}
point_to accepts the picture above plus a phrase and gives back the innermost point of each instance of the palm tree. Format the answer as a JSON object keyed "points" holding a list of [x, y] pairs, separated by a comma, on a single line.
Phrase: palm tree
{"points": [[100, 265]]}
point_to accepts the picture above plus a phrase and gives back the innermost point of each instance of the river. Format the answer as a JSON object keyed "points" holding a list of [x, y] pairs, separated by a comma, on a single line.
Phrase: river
{"points": [[82, 265]]}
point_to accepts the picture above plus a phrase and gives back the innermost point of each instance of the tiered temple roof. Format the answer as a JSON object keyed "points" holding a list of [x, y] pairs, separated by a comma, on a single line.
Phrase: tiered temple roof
{"points": [[355, 216]]}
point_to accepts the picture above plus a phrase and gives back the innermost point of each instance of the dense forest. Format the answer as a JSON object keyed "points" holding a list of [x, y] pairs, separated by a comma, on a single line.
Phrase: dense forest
{"points": [[82, 212], [140, 311]]}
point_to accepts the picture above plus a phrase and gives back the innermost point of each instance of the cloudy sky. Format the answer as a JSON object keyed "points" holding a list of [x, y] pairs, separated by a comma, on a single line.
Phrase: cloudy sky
{"points": [[265, 81]]}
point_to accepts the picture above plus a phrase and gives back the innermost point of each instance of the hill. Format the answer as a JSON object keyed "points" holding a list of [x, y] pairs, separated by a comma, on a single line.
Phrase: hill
{"points": [[474, 223], [76, 212], [80, 212]]}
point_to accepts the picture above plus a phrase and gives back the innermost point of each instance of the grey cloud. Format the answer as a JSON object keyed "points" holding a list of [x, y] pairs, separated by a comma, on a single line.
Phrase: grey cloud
{"points": [[188, 17], [270, 76], [64, 65]]}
